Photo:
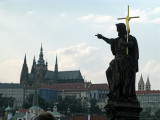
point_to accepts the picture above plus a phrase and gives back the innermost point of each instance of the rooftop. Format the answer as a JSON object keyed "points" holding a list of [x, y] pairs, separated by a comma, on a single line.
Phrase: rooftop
{"points": [[10, 85], [148, 92], [99, 87], [77, 86]]}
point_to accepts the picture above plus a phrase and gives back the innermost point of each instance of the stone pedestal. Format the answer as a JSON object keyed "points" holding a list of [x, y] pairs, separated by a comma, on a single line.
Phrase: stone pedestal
{"points": [[123, 110]]}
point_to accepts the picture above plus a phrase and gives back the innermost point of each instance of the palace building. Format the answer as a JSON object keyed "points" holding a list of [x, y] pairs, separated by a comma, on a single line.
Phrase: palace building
{"points": [[40, 75]]}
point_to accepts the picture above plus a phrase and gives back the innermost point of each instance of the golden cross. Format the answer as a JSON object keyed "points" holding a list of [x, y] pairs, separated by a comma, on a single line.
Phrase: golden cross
{"points": [[127, 25]]}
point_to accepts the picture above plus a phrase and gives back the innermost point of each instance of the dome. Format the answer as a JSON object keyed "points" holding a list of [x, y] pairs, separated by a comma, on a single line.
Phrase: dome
{"points": [[8, 109]]}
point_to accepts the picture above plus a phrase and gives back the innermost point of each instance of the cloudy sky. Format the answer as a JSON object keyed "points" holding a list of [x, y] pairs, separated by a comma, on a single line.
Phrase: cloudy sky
{"points": [[68, 27]]}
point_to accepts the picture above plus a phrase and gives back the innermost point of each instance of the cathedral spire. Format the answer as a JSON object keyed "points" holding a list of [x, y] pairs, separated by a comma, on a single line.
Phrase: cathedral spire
{"points": [[148, 85], [41, 47], [41, 60], [24, 73], [34, 61], [33, 65], [141, 84], [24, 59], [56, 69], [56, 65]]}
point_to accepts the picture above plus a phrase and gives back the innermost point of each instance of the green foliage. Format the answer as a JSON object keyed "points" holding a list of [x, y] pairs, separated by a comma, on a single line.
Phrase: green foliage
{"points": [[146, 113], [75, 105], [157, 113], [4, 102], [2, 111], [94, 109]]}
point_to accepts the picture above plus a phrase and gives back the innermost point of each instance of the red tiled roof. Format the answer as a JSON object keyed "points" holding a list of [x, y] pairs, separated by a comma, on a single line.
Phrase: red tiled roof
{"points": [[148, 92], [63, 115], [76, 86], [23, 110], [99, 87], [91, 118], [68, 86]]}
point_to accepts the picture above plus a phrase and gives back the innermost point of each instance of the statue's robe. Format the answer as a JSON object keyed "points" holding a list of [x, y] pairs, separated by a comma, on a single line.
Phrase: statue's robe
{"points": [[122, 70]]}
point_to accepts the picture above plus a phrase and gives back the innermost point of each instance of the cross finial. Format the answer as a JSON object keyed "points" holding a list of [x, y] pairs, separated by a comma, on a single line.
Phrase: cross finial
{"points": [[127, 24]]}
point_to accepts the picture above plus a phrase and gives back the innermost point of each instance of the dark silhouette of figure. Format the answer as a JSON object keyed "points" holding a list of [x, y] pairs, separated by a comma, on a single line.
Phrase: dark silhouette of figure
{"points": [[122, 69], [45, 116]]}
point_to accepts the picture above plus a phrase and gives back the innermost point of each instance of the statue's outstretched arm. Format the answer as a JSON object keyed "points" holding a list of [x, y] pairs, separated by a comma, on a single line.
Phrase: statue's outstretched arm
{"points": [[104, 38]]}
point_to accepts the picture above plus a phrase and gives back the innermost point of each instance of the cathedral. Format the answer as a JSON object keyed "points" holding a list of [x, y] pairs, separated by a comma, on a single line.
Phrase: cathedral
{"points": [[40, 75]]}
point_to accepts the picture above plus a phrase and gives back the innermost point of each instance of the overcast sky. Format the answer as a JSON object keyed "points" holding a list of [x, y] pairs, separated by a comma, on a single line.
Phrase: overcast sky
{"points": [[68, 27]]}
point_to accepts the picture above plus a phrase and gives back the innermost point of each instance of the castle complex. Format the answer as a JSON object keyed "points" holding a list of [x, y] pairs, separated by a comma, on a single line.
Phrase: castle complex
{"points": [[40, 75]]}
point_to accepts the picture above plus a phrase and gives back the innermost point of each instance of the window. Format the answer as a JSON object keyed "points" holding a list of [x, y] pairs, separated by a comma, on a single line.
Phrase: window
{"points": [[95, 95], [99, 95]]}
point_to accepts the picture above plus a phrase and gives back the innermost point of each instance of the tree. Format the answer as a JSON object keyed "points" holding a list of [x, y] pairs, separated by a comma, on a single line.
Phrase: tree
{"points": [[2, 111], [94, 109], [146, 113], [157, 113], [75, 105], [4, 102]]}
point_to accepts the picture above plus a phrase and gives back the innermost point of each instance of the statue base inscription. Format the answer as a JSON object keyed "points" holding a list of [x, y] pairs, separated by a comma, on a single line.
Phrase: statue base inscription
{"points": [[123, 110]]}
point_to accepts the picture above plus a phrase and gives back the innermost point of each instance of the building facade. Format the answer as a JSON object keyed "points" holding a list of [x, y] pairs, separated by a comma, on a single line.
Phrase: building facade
{"points": [[99, 92], [49, 95], [15, 91], [40, 75], [85, 91], [149, 99], [28, 90], [74, 90]]}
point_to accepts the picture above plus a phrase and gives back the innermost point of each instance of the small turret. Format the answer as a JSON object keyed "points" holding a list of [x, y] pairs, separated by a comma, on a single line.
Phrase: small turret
{"points": [[55, 108], [8, 112]]}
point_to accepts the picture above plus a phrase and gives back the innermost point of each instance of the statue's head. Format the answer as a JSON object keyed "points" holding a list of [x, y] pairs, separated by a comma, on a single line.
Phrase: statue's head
{"points": [[121, 29]]}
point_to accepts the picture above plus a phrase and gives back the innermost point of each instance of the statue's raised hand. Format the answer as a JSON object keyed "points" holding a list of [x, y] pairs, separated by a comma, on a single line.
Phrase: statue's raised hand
{"points": [[99, 36]]}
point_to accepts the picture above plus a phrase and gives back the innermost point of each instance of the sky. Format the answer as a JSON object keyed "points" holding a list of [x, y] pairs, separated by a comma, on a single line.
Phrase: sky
{"points": [[68, 28]]}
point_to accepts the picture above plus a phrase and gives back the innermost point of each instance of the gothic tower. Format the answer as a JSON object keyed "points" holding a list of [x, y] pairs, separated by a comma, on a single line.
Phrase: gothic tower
{"points": [[40, 69], [24, 73], [56, 70], [148, 85], [141, 84]]}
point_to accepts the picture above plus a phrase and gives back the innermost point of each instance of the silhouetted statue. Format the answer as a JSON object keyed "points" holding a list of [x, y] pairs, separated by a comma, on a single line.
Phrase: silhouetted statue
{"points": [[122, 69]]}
